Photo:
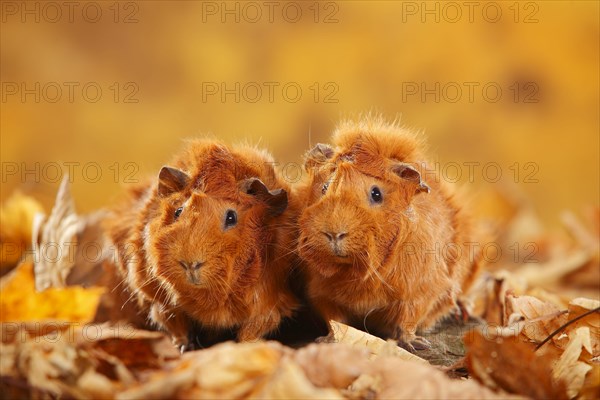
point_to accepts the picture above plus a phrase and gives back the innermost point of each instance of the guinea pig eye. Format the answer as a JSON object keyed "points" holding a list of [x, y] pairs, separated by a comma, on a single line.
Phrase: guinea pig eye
{"points": [[325, 187], [230, 218], [376, 196], [178, 212]]}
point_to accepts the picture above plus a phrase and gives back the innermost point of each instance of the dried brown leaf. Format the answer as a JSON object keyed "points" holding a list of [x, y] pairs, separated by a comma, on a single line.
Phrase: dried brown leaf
{"points": [[332, 364], [85, 361], [579, 306], [512, 366], [342, 333], [68, 248], [569, 368], [540, 318], [231, 371], [487, 297], [55, 240], [393, 378], [289, 381]]}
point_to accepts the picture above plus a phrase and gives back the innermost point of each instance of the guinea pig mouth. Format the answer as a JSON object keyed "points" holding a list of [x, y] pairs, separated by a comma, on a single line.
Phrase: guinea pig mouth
{"points": [[338, 252], [341, 255], [341, 258]]}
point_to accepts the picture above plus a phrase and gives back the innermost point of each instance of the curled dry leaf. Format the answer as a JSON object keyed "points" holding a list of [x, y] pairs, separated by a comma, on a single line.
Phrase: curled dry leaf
{"points": [[342, 333], [540, 318], [232, 371], [55, 240], [332, 365], [71, 250], [551, 272], [78, 361], [68, 248], [580, 306], [289, 381], [512, 366], [487, 297], [569, 368], [394, 378]]}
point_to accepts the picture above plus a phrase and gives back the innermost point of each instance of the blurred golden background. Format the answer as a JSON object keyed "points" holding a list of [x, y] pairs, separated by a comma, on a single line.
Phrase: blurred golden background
{"points": [[108, 89]]}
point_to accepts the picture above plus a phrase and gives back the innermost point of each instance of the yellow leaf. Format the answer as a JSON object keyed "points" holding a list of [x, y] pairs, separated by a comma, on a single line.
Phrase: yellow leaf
{"points": [[17, 215], [20, 301]]}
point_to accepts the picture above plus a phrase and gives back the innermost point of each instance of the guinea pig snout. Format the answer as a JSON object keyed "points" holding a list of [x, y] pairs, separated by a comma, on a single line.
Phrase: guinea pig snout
{"points": [[337, 242], [192, 270]]}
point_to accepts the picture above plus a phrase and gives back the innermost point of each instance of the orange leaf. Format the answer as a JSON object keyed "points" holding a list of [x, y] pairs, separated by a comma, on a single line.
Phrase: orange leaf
{"points": [[21, 302], [511, 365]]}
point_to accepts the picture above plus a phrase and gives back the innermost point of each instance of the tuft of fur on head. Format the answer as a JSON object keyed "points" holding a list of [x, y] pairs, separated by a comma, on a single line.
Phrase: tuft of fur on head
{"points": [[373, 132]]}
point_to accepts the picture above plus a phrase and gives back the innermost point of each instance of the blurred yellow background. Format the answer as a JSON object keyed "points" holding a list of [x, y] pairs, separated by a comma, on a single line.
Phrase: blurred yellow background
{"points": [[108, 89]]}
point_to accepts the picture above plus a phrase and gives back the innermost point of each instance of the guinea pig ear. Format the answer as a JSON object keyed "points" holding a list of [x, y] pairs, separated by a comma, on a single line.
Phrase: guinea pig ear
{"points": [[276, 199], [409, 173], [171, 180], [318, 155]]}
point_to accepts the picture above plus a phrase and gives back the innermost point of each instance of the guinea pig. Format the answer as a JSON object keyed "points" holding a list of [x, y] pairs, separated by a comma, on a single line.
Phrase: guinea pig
{"points": [[208, 242], [387, 245]]}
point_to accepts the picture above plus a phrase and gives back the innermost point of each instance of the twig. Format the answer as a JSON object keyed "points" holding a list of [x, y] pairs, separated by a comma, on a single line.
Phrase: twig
{"points": [[585, 314]]}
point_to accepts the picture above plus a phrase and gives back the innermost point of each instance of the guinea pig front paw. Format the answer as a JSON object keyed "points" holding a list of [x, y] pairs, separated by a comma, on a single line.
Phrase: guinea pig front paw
{"points": [[414, 343], [325, 339], [183, 344], [186, 347]]}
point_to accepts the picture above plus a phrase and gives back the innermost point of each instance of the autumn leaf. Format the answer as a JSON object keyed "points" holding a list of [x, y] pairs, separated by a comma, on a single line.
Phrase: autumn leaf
{"points": [[17, 215], [68, 248], [78, 361], [540, 318], [511, 365], [580, 306], [332, 365], [396, 379], [21, 302], [569, 368], [342, 333]]}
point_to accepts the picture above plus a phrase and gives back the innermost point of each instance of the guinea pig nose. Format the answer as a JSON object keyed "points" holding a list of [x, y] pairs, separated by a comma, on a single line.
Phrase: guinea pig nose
{"points": [[329, 236], [335, 237], [193, 265]]}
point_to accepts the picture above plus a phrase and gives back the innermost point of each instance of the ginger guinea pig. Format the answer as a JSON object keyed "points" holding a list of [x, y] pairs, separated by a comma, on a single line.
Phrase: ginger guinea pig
{"points": [[205, 243], [384, 241]]}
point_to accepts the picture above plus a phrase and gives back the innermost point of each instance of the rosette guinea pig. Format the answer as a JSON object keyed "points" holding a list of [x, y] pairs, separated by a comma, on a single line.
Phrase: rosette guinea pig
{"points": [[207, 243], [385, 241]]}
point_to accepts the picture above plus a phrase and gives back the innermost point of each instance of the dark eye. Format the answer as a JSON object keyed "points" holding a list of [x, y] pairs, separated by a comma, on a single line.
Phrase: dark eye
{"points": [[376, 196], [178, 212], [325, 187], [230, 218]]}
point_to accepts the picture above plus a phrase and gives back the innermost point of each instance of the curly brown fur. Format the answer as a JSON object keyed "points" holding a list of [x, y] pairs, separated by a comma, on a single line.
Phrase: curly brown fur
{"points": [[183, 258], [396, 265]]}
